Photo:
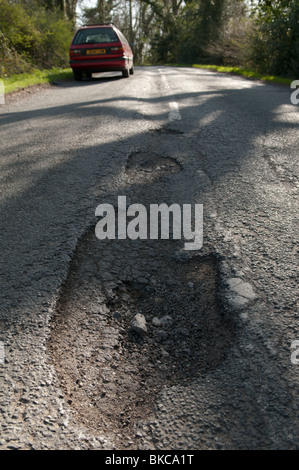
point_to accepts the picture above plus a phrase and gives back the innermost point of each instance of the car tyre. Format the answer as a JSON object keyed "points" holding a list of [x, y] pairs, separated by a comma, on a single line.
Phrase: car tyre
{"points": [[77, 75], [126, 73], [132, 70]]}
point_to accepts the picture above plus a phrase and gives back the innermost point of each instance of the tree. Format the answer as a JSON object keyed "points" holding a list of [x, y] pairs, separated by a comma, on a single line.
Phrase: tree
{"points": [[166, 15], [33, 36], [67, 7], [103, 12], [230, 44], [276, 42], [200, 23]]}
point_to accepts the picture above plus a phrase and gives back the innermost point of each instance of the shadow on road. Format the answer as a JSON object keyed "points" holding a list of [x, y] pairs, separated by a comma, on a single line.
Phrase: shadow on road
{"points": [[49, 198]]}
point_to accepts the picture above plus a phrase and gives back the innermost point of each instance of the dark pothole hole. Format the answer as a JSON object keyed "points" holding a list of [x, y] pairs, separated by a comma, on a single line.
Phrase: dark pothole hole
{"points": [[150, 166], [110, 375]]}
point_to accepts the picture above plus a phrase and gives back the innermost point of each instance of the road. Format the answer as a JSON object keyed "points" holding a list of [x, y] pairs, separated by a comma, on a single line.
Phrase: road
{"points": [[215, 369]]}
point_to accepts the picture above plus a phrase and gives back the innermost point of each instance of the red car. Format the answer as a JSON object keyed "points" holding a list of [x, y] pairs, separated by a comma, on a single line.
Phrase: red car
{"points": [[100, 48]]}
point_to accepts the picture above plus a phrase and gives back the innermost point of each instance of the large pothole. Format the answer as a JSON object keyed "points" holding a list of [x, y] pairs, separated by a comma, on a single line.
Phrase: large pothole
{"points": [[111, 375], [149, 166]]}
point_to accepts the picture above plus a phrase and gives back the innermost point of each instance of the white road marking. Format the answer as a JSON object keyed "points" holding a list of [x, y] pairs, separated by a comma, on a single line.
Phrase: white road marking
{"points": [[174, 114]]}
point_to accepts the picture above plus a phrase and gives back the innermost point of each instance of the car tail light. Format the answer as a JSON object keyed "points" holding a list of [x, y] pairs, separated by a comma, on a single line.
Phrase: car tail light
{"points": [[117, 49], [75, 51]]}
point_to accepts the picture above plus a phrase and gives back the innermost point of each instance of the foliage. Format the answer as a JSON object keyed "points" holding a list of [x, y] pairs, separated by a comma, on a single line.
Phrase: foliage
{"points": [[165, 35], [251, 74], [101, 13], [232, 45], [55, 38], [199, 27], [276, 44], [32, 36], [263, 36], [10, 60], [67, 7]]}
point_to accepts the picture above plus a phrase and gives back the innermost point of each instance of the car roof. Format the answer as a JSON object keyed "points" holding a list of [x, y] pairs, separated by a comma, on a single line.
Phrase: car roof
{"points": [[103, 25]]}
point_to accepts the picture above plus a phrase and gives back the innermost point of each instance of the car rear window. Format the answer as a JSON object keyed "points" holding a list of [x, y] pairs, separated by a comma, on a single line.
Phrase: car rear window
{"points": [[95, 36]]}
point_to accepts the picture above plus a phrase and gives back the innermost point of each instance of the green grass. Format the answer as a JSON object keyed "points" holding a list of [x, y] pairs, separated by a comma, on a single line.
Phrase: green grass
{"points": [[24, 80], [244, 73]]}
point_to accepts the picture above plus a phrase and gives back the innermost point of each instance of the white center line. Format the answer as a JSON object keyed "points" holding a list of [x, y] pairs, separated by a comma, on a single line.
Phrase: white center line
{"points": [[174, 114]]}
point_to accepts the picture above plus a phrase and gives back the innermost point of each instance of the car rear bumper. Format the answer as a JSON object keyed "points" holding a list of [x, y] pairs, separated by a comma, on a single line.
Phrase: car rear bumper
{"points": [[102, 65]]}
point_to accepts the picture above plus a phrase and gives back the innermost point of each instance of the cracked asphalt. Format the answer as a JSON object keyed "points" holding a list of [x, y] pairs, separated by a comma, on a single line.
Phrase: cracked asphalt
{"points": [[214, 369]]}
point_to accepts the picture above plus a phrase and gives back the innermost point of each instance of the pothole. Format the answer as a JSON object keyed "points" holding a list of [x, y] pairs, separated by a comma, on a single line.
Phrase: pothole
{"points": [[147, 166], [111, 375], [110, 372]]}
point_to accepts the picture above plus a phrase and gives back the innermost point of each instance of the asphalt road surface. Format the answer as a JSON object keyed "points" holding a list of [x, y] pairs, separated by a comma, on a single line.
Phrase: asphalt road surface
{"points": [[215, 366]]}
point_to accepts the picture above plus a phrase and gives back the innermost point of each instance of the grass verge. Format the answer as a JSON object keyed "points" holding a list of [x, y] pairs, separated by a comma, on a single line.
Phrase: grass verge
{"points": [[244, 73], [24, 80]]}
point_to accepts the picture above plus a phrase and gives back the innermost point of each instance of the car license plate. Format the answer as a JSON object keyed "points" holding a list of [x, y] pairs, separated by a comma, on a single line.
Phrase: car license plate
{"points": [[95, 51]]}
